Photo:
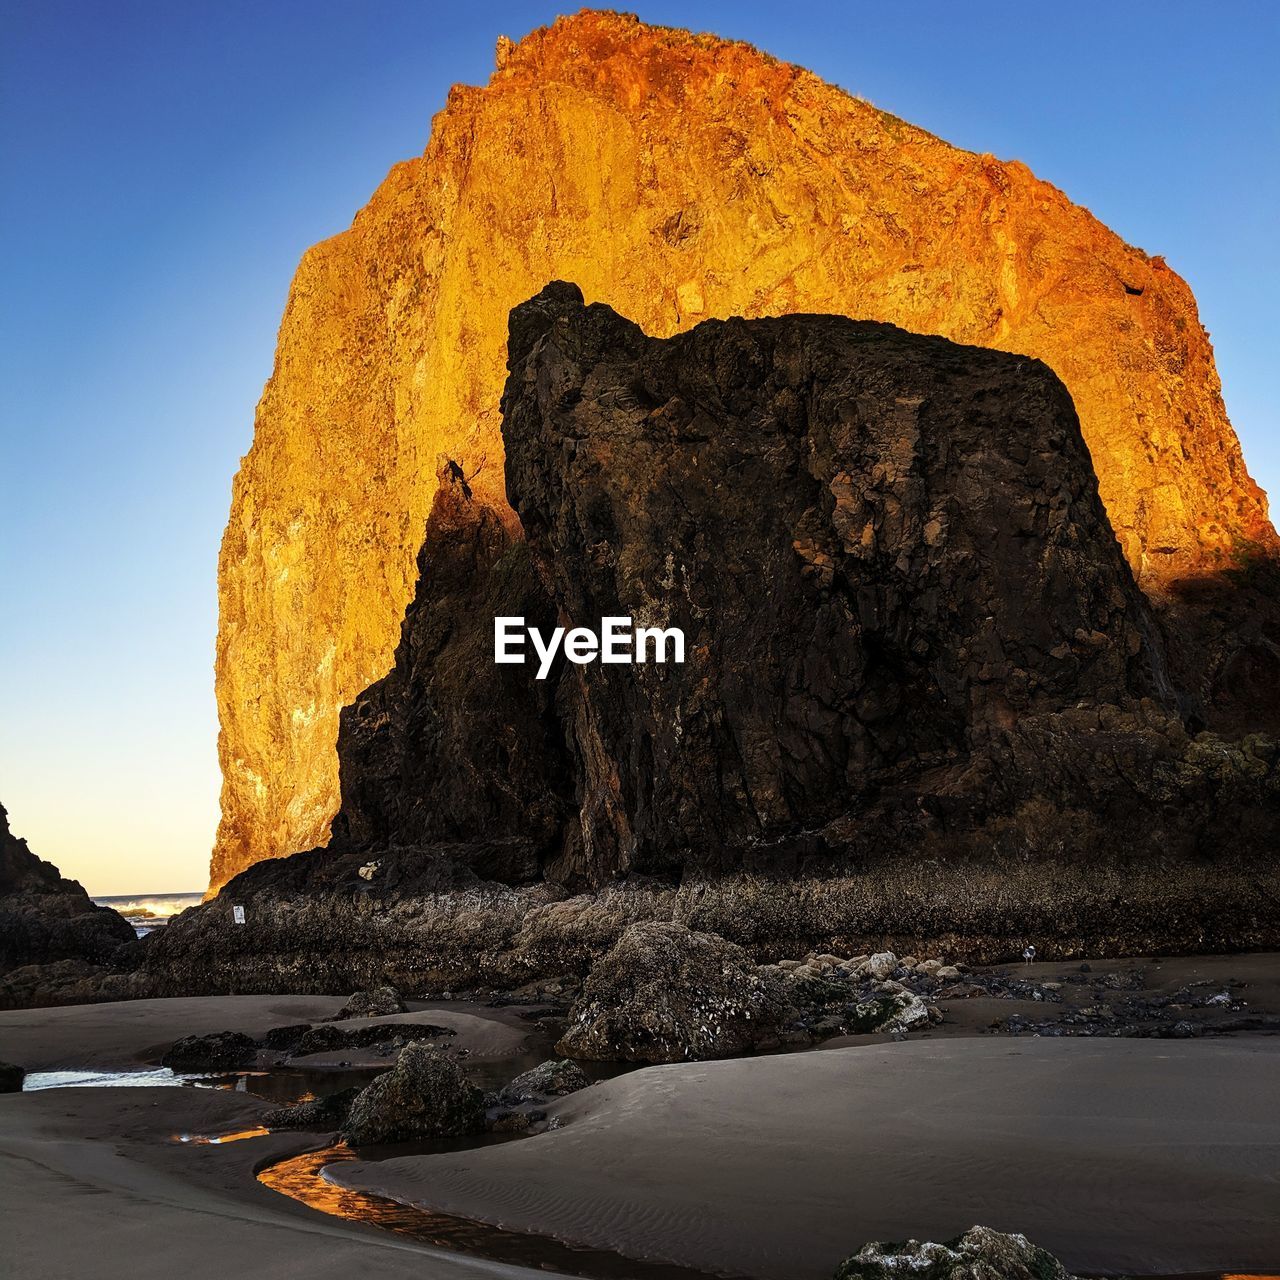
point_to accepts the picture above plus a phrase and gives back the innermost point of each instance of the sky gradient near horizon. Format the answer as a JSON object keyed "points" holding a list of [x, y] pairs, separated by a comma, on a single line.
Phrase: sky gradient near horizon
{"points": [[165, 165]]}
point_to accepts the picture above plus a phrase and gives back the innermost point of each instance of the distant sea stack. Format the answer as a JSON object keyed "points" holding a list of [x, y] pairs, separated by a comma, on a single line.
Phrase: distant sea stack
{"points": [[676, 177]]}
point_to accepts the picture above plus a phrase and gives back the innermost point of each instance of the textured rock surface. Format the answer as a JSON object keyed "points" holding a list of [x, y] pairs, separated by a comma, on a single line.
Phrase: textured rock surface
{"points": [[47, 921], [665, 993], [218, 1051], [327, 1113], [423, 1096], [449, 745], [979, 1254], [554, 1079], [896, 727], [676, 177], [378, 1002], [884, 552]]}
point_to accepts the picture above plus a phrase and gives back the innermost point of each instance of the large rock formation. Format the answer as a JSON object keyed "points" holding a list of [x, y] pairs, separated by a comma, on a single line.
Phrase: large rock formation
{"points": [[52, 934], [884, 552], [923, 699], [675, 177]]}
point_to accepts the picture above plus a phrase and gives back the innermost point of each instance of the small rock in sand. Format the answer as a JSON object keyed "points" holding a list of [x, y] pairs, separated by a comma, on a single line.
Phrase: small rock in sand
{"points": [[979, 1254], [376, 1003], [318, 1113], [219, 1051], [425, 1095], [667, 994], [554, 1079]]}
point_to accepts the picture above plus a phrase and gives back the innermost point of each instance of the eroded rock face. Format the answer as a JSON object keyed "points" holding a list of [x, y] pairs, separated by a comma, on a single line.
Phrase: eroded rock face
{"points": [[51, 931], [665, 993], [923, 702], [424, 1095], [884, 552], [979, 1254], [675, 177], [448, 745]]}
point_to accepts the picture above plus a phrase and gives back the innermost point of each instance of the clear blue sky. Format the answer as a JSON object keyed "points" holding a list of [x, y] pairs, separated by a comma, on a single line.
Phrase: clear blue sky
{"points": [[166, 163]]}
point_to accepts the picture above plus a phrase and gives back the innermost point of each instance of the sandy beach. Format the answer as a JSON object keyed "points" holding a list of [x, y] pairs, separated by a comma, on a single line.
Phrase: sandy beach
{"points": [[135, 1033], [1149, 1155], [92, 1186], [1118, 1154]]}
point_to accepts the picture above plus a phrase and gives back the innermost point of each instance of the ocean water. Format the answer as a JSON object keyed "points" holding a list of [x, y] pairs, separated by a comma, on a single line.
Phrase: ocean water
{"points": [[148, 911]]}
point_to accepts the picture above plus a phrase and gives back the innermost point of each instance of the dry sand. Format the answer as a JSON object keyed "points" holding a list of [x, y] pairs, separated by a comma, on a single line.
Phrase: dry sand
{"points": [[1115, 1154]]}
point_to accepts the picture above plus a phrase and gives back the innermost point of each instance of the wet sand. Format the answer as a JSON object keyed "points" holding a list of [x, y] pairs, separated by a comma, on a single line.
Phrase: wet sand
{"points": [[1149, 1155], [135, 1033], [1141, 1155], [91, 1186]]}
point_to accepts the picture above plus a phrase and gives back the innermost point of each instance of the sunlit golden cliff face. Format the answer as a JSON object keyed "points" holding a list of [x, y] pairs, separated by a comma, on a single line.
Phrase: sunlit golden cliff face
{"points": [[676, 177]]}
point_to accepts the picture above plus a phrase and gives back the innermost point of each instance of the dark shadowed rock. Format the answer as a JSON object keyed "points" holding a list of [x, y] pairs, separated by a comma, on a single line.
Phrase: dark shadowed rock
{"points": [[321, 1114], [554, 1079], [424, 1095], [379, 1002], [327, 1037], [218, 1051], [450, 746], [979, 1254], [667, 994], [285, 1039], [884, 552], [11, 1077], [46, 919]]}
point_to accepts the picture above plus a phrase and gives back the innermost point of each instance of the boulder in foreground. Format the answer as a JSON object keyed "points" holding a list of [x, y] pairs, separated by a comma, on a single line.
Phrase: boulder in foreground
{"points": [[979, 1254], [423, 1096], [667, 994]]}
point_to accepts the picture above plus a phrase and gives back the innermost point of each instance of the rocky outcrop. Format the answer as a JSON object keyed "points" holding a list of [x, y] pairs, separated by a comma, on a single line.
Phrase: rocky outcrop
{"points": [[666, 994], [449, 745], [885, 553], [736, 185], [979, 1254], [11, 1077], [424, 1095], [923, 702], [52, 933], [321, 1114]]}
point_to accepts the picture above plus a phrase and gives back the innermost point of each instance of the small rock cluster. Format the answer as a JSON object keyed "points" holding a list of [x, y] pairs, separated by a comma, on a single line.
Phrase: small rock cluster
{"points": [[666, 993], [236, 1051], [427, 1095], [979, 1254]]}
